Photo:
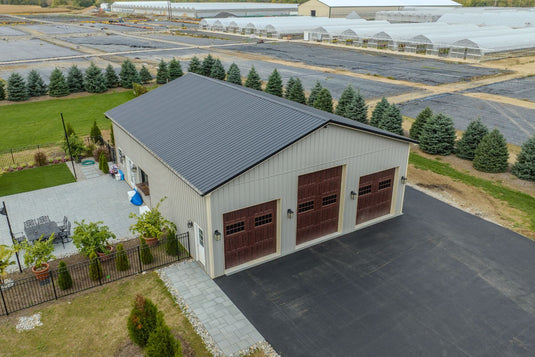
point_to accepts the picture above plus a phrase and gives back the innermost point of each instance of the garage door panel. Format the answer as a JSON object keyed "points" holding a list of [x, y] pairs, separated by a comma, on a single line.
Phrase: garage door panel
{"points": [[375, 195]]}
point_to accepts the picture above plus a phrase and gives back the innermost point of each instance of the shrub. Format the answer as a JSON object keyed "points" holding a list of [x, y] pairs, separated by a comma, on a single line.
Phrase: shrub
{"points": [[39, 158], [171, 246], [68, 128], [77, 147], [112, 136], [103, 163], [145, 253], [64, 277], [418, 125], [101, 149], [90, 149], [16, 88], [162, 75], [524, 167], [58, 86], [234, 74], [2, 90], [253, 80], [95, 134], [142, 321], [91, 237], [467, 145], [139, 89], [95, 269], [121, 259], [438, 135], [378, 112], [491, 154], [161, 343]]}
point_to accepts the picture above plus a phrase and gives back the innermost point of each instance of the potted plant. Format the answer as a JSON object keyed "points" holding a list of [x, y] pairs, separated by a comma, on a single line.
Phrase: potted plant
{"points": [[92, 237], [37, 255], [151, 225], [5, 260]]}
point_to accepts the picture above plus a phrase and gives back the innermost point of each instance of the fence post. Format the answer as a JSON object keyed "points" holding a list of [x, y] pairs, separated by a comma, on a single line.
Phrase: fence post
{"points": [[53, 285], [12, 157], [4, 301], [139, 258]]}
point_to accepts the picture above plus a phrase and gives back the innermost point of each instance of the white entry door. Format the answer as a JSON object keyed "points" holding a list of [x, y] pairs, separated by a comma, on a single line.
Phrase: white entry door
{"points": [[130, 178], [199, 242]]}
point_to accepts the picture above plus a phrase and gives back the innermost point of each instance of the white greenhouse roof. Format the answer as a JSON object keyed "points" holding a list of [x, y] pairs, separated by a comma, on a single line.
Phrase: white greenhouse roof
{"points": [[388, 3], [519, 18], [205, 5], [521, 40]]}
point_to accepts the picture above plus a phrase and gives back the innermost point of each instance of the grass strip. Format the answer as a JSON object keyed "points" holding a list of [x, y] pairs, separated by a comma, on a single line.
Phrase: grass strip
{"points": [[515, 199], [34, 179]]}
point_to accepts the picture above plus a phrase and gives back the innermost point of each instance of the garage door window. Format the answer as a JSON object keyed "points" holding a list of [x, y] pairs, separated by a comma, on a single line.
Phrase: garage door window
{"points": [[365, 190], [306, 206], [265, 219], [234, 228], [329, 200], [385, 184]]}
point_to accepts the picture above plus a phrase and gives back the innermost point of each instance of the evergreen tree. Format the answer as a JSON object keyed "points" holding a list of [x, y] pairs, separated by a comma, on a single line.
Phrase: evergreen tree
{"points": [[94, 81], [357, 109], [297, 93], [16, 88], [162, 75], [289, 86], [274, 84], [58, 86], [103, 163], [314, 93], [64, 277], [491, 154], [95, 268], [112, 136], [75, 80], [2, 90], [112, 79], [195, 65], [324, 101], [345, 99], [206, 66], [378, 112], [417, 126], [36, 85], [175, 69], [218, 71], [129, 74], [234, 74], [145, 75], [95, 134], [524, 167], [68, 128], [438, 135], [171, 245], [392, 120], [145, 253], [142, 321], [253, 80], [121, 259], [465, 148], [161, 343]]}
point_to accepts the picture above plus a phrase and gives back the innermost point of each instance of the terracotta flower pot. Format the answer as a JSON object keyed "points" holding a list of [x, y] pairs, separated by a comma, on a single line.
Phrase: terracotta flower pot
{"points": [[106, 256], [41, 273], [151, 242]]}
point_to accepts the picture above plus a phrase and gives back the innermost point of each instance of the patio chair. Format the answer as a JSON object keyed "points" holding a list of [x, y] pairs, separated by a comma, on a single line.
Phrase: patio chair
{"points": [[43, 219], [63, 226], [30, 223], [19, 237]]}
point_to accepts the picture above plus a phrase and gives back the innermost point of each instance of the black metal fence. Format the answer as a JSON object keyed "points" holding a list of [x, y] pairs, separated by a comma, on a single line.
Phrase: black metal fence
{"points": [[28, 292]]}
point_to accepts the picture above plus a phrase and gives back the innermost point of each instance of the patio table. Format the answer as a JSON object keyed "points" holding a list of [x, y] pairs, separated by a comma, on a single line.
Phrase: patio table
{"points": [[46, 229]]}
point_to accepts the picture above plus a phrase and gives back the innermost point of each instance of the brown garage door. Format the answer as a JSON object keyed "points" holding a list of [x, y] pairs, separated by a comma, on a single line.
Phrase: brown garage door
{"points": [[375, 195], [250, 233], [318, 202]]}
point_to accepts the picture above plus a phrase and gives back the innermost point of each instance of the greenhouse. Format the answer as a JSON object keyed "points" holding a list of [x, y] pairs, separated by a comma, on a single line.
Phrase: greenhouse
{"points": [[515, 19], [475, 47]]}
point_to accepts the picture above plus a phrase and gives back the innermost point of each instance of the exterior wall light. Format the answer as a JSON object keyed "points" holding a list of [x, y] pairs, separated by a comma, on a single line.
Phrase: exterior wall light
{"points": [[403, 180], [134, 168], [190, 224], [353, 195], [217, 235], [290, 213]]}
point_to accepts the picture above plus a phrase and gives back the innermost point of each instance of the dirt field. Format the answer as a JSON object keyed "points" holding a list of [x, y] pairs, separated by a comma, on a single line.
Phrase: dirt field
{"points": [[30, 9]]}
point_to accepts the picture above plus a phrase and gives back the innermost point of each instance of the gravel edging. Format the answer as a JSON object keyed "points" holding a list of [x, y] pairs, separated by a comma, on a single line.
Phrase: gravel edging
{"points": [[198, 325]]}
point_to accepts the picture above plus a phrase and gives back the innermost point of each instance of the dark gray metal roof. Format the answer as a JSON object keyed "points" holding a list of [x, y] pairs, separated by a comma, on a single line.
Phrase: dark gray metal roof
{"points": [[210, 131]]}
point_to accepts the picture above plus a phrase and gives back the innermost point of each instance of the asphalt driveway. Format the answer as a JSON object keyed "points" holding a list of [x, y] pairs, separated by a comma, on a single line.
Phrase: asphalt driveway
{"points": [[433, 282]]}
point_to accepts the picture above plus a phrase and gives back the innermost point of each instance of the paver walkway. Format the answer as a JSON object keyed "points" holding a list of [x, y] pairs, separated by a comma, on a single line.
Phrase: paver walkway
{"points": [[230, 330]]}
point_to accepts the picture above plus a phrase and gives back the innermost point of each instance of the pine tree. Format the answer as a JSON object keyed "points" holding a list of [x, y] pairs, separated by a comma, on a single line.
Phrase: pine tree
{"points": [[95, 134], [234, 74], [324, 101], [345, 99], [64, 277], [524, 167], [161, 343], [112, 79], [129, 74], [145, 253], [253, 80], [206, 66], [36, 85], [274, 84], [94, 81], [297, 93], [289, 86], [58, 86], [162, 75], [103, 163], [112, 136], [438, 135], [314, 93], [75, 80], [392, 120], [16, 88], [95, 269], [121, 259], [465, 148], [175, 69], [195, 65], [142, 321], [378, 111], [491, 154], [417, 126], [2, 90], [145, 75], [218, 71], [357, 109]]}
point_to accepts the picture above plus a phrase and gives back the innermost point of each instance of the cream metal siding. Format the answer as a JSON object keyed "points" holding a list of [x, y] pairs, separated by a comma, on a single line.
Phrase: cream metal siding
{"points": [[183, 203], [276, 178], [322, 10]]}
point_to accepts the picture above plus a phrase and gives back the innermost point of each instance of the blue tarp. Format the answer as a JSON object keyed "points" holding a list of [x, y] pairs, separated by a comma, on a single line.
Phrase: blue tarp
{"points": [[136, 199]]}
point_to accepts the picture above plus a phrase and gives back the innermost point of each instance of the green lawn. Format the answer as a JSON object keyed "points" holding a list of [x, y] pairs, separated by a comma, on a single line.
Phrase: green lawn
{"points": [[35, 123], [34, 179], [516, 199]]}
